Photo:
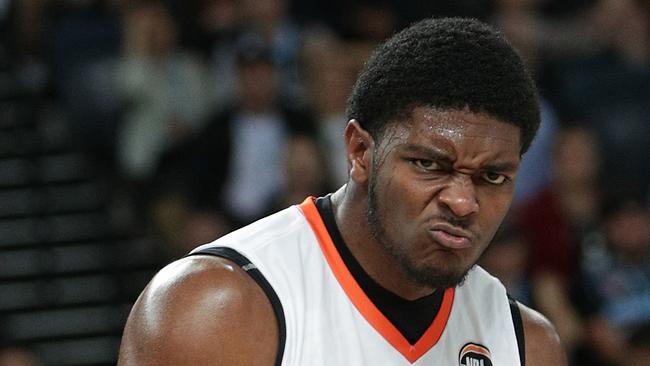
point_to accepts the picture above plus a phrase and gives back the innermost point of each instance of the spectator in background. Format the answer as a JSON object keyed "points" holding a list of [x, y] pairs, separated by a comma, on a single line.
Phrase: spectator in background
{"points": [[593, 62], [557, 223], [206, 24], [303, 163], [261, 119], [614, 291], [81, 47], [506, 259], [163, 87], [519, 21], [535, 170], [622, 280], [266, 22], [329, 78], [370, 21], [232, 170], [605, 79]]}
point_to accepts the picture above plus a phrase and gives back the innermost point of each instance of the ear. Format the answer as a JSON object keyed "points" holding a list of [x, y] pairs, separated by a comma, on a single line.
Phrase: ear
{"points": [[359, 145]]}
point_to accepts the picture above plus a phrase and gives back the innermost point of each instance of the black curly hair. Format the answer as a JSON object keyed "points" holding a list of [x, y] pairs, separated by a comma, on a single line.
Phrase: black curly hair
{"points": [[446, 63]]}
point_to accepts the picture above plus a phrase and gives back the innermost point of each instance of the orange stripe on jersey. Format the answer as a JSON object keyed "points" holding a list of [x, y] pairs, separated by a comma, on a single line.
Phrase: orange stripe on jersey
{"points": [[476, 349], [365, 306]]}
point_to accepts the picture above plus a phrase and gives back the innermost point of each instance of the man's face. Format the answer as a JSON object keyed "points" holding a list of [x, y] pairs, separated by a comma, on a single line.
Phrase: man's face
{"points": [[440, 185]]}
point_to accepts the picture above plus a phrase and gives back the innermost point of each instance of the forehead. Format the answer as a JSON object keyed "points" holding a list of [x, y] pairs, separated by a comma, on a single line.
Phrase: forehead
{"points": [[456, 132]]}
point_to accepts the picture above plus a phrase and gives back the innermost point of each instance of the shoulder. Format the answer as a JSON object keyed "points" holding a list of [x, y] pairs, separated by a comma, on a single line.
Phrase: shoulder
{"points": [[542, 343], [200, 310]]}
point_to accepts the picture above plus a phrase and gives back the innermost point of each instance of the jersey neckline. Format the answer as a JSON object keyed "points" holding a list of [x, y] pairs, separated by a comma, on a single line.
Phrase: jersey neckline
{"points": [[412, 352], [411, 317]]}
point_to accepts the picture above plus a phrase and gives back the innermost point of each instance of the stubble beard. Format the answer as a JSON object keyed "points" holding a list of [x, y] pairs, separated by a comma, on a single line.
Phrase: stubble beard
{"points": [[429, 276]]}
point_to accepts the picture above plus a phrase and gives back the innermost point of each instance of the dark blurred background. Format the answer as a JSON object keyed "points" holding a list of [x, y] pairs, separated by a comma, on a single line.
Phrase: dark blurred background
{"points": [[132, 131]]}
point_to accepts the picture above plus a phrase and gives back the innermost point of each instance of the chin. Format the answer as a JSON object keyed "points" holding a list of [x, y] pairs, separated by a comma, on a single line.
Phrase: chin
{"points": [[437, 276]]}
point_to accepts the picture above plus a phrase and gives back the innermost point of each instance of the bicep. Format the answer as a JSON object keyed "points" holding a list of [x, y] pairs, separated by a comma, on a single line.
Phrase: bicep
{"points": [[542, 343], [200, 311]]}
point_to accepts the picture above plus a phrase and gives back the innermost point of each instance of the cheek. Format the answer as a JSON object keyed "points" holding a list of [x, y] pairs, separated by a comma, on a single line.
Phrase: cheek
{"points": [[494, 204], [406, 199], [397, 208], [494, 213]]}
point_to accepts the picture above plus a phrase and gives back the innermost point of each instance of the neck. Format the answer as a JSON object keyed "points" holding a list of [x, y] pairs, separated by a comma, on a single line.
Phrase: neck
{"points": [[350, 205]]}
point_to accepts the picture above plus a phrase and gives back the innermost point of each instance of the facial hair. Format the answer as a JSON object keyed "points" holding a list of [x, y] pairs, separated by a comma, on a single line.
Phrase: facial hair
{"points": [[427, 276]]}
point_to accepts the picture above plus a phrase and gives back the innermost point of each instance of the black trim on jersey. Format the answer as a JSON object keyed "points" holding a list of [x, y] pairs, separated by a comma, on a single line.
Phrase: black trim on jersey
{"points": [[248, 267], [519, 329], [411, 317]]}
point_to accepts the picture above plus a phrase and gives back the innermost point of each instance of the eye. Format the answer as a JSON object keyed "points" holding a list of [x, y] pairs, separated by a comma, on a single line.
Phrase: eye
{"points": [[424, 164], [494, 178]]}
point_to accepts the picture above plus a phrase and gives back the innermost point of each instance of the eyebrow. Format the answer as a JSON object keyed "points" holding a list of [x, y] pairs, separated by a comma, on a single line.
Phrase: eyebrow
{"points": [[430, 153], [499, 166], [440, 155]]}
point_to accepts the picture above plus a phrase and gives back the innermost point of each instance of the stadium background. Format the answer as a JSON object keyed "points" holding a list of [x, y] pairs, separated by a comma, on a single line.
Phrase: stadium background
{"points": [[131, 131]]}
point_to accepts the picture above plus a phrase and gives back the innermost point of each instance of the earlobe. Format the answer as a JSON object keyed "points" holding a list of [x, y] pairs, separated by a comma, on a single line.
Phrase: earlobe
{"points": [[359, 145]]}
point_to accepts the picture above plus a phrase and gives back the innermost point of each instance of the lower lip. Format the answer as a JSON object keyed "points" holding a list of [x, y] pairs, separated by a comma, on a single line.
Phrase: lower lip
{"points": [[450, 241]]}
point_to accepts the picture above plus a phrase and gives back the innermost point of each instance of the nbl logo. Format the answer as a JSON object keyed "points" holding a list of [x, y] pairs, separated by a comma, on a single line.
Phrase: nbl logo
{"points": [[473, 354]]}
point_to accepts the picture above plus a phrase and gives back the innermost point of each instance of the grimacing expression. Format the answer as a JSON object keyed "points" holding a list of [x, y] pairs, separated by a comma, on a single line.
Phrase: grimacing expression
{"points": [[440, 185]]}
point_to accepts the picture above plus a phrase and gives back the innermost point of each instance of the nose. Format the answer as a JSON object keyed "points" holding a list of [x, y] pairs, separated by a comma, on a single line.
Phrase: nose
{"points": [[459, 196]]}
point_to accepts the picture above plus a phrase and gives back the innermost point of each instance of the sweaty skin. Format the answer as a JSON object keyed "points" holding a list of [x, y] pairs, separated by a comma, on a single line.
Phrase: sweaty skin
{"points": [[200, 311], [439, 183]]}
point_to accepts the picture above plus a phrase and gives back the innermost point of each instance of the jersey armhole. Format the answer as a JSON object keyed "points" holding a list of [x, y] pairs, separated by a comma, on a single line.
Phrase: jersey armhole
{"points": [[251, 269], [519, 329]]}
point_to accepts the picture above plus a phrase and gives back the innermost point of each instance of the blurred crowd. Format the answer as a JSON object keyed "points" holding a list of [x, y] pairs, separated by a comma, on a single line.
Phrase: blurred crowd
{"points": [[205, 115]]}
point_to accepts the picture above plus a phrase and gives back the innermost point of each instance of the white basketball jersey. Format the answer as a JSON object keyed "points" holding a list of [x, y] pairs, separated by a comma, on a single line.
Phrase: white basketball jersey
{"points": [[329, 320]]}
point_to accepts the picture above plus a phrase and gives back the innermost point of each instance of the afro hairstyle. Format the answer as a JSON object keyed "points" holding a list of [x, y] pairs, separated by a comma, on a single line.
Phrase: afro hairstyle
{"points": [[447, 64]]}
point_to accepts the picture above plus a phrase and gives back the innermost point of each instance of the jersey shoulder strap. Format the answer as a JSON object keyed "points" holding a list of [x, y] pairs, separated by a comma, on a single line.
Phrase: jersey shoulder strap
{"points": [[251, 269], [519, 329]]}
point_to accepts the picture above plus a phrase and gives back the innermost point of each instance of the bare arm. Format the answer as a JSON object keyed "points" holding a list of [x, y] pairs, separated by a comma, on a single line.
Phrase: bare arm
{"points": [[200, 311], [542, 343]]}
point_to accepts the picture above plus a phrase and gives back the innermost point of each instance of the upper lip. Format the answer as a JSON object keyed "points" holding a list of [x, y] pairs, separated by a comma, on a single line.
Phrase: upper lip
{"points": [[453, 230]]}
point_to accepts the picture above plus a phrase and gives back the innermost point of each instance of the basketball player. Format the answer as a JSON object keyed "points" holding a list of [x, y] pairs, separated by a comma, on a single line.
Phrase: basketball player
{"points": [[382, 271]]}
